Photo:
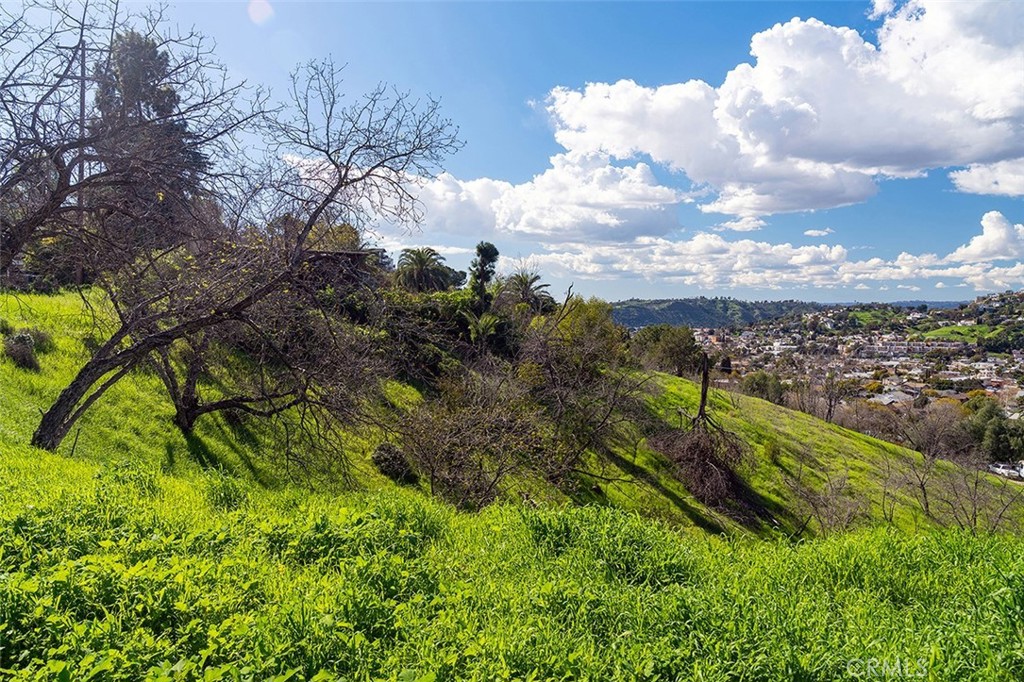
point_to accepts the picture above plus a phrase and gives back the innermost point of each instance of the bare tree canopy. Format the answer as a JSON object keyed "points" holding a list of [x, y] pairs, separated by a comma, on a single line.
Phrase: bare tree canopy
{"points": [[64, 155], [129, 143]]}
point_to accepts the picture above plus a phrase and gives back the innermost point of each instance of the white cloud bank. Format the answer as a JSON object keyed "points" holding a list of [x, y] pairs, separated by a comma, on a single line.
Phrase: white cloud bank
{"points": [[710, 261], [818, 118], [814, 122], [1004, 178], [822, 113]]}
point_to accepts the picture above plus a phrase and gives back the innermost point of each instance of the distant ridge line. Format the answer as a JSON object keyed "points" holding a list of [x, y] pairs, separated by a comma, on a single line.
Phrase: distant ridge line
{"points": [[702, 311]]}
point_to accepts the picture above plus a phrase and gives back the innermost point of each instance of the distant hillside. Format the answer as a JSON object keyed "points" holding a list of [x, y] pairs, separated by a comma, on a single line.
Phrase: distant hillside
{"points": [[706, 312], [932, 305]]}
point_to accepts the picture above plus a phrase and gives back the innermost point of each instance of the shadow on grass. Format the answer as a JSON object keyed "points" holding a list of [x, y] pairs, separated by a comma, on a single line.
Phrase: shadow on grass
{"points": [[734, 496], [651, 479], [243, 441], [200, 453]]}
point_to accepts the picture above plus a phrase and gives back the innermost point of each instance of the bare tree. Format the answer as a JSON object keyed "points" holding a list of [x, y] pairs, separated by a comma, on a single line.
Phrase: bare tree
{"points": [[832, 504], [892, 484], [834, 390], [704, 454], [329, 165], [481, 429], [573, 362], [976, 501]]}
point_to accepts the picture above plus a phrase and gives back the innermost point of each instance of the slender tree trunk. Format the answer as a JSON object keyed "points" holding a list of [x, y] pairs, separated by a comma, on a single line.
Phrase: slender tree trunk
{"points": [[705, 381]]}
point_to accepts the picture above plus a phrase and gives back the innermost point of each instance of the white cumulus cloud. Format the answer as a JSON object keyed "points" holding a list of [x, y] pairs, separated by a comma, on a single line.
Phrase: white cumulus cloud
{"points": [[1002, 177], [711, 261], [999, 240], [822, 113]]}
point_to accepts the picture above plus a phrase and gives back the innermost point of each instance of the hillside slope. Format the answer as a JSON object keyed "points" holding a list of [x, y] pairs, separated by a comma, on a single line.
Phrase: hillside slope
{"points": [[793, 459], [706, 312]]}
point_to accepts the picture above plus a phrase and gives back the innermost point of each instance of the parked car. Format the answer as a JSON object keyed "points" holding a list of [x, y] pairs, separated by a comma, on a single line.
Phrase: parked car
{"points": [[1007, 470]]}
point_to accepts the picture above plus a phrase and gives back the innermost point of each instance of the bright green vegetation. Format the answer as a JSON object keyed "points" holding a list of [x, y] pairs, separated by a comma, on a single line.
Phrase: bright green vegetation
{"points": [[970, 333], [134, 575], [133, 422], [135, 553]]}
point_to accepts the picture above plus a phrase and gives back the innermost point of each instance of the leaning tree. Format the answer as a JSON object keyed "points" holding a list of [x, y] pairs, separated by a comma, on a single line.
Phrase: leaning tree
{"points": [[327, 163]]}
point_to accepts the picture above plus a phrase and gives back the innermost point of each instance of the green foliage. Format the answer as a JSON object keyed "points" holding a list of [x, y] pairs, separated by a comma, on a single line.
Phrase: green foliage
{"points": [[764, 385], [481, 272], [394, 586], [666, 348], [56, 262], [6, 328], [142, 143], [128, 561], [707, 312], [128, 478], [589, 333], [423, 270], [224, 492], [525, 288]]}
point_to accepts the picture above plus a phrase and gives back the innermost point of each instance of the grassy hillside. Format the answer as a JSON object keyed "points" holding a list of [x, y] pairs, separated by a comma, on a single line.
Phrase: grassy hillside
{"points": [[133, 575], [138, 554], [133, 422], [968, 333]]}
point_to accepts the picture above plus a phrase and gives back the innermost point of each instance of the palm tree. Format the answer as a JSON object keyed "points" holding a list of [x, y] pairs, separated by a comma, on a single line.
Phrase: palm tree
{"points": [[524, 287], [481, 328], [422, 269]]}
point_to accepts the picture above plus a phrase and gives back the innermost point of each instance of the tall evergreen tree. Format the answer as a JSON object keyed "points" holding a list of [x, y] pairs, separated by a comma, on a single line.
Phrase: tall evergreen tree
{"points": [[481, 272], [145, 143]]}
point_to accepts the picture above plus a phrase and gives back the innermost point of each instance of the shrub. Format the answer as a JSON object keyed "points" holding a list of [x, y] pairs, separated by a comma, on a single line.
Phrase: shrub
{"points": [[5, 327], [41, 340], [393, 463], [22, 350]]}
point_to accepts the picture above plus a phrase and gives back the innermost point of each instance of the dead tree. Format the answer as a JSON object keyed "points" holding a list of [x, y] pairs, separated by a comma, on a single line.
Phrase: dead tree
{"points": [[466, 443], [58, 167], [703, 454]]}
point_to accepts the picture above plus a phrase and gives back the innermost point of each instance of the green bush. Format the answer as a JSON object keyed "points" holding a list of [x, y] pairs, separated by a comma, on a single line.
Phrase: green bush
{"points": [[5, 327], [21, 349]]}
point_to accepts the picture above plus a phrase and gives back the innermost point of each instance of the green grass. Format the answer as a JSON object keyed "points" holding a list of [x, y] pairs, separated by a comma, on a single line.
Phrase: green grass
{"points": [[133, 422], [134, 575], [137, 554], [970, 333]]}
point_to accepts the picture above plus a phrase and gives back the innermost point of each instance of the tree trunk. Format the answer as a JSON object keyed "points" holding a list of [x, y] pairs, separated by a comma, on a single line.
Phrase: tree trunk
{"points": [[185, 418], [705, 381], [65, 411]]}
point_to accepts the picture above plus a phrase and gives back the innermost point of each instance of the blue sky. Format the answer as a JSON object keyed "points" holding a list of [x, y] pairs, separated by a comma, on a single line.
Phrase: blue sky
{"points": [[829, 151]]}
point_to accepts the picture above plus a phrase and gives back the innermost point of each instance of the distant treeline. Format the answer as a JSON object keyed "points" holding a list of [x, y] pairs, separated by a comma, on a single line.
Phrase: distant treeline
{"points": [[707, 312]]}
